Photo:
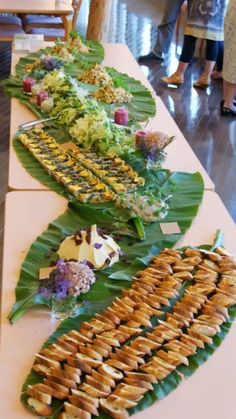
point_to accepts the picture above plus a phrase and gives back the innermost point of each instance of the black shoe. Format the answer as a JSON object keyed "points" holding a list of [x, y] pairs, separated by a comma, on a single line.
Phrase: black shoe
{"points": [[152, 56], [227, 111]]}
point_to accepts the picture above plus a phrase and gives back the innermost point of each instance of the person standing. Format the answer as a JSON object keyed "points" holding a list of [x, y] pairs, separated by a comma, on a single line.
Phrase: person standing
{"points": [[206, 21], [228, 105], [164, 31]]}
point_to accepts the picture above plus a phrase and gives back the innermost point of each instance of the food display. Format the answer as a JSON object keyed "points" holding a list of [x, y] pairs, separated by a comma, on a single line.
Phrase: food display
{"points": [[95, 75], [87, 176], [146, 317], [122, 353], [111, 94], [90, 246]]}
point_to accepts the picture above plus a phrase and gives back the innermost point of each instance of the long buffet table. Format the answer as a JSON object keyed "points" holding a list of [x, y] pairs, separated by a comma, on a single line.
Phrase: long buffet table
{"points": [[208, 394], [180, 156]]}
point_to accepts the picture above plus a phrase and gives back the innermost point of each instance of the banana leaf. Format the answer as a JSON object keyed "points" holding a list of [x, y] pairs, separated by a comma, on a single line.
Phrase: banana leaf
{"points": [[186, 190], [163, 387], [141, 107], [96, 55]]}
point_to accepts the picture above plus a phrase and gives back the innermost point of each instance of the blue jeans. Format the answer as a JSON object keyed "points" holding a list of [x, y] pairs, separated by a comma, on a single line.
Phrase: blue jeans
{"points": [[166, 28]]}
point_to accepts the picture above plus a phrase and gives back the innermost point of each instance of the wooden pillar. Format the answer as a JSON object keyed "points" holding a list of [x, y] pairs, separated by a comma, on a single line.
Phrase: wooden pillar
{"points": [[98, 19]]}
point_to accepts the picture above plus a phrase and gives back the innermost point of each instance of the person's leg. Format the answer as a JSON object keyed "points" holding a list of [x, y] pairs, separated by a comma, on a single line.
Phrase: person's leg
{"points": [[166, 28], [229, 98], [211, 56], [187, 53], [164, 31], [217, 73]]}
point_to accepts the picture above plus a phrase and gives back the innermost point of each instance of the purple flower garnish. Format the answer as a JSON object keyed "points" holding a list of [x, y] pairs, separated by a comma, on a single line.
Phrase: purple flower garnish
{"points": [[62, 288], [45, 292], [121, 253], [97, 245], [112, 254]]}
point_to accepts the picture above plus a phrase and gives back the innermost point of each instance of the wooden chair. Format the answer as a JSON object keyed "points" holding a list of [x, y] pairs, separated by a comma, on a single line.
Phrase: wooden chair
{"points": [[54, 31]]}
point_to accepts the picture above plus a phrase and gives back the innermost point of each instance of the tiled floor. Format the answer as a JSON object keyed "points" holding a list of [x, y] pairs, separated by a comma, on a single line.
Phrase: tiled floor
{"points": [[212, 137]]}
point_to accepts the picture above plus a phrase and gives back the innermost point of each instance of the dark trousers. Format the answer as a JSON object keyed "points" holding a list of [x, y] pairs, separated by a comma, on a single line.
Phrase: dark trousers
{"points": [[189, 47], [220, 56], [166, 28]]}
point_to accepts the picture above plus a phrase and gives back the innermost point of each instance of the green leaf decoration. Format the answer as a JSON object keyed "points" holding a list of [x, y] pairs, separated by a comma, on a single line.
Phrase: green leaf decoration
{"points": [[186, 189], [141, 107], [96, 55]]}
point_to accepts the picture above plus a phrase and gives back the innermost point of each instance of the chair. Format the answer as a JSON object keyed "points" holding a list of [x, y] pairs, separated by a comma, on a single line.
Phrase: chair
{"points": [[9, 27], [52, 31]]}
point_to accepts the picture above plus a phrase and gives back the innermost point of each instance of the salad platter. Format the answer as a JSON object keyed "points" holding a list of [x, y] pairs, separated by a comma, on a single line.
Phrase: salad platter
{"points": [[154, 312]]}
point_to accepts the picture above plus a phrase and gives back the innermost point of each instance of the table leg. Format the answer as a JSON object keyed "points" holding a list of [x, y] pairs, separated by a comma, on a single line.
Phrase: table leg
{"points": [[68, 24]]}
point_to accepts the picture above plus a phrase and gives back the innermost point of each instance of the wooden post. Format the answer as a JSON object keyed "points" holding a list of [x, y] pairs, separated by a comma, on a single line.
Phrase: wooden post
{"points": [[98, 19]]}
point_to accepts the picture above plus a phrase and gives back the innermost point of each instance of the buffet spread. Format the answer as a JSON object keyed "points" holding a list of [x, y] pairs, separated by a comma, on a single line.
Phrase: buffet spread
{"points": [[139, 315]]}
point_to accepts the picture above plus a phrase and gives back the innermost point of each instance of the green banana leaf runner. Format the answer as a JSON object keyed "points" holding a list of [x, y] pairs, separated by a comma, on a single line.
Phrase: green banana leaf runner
{"points": [[95, 55], [163, 387], [141, 107], [186, 190]]}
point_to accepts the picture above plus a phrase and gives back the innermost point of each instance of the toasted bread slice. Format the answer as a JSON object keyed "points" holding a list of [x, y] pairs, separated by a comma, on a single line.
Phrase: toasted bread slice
{"points": [[87, 361], [68, 372], [131, 331], [204, 338], [59, 391], [139, 319], [103, 345], [193, 340], [139, 383], [87, 333], [87, 388], [108, 341], [86, 397], [104, 319], [129, 392], [120, 402], [142, 287], [68, 346], [141, 376], [119, 365], [82, 404], [91, 352], [113, 410], [102, 378], [111, 316], [38, 407], [47, 361], [121, 357], [79, 337], [76, 371], [59, 349], [39, 395], [65, 415], [162, 362], [121, 314], [132, 351], [53, 355], [73, 410], [129, 355], [144, 342], [121, 302], [41, 369], [110, 372], [59, 378], [97, 384]]}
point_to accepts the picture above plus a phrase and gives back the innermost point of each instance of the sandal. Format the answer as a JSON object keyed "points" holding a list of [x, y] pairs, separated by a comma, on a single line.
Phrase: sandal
{"points": [[202, 82], [173, 79]]}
